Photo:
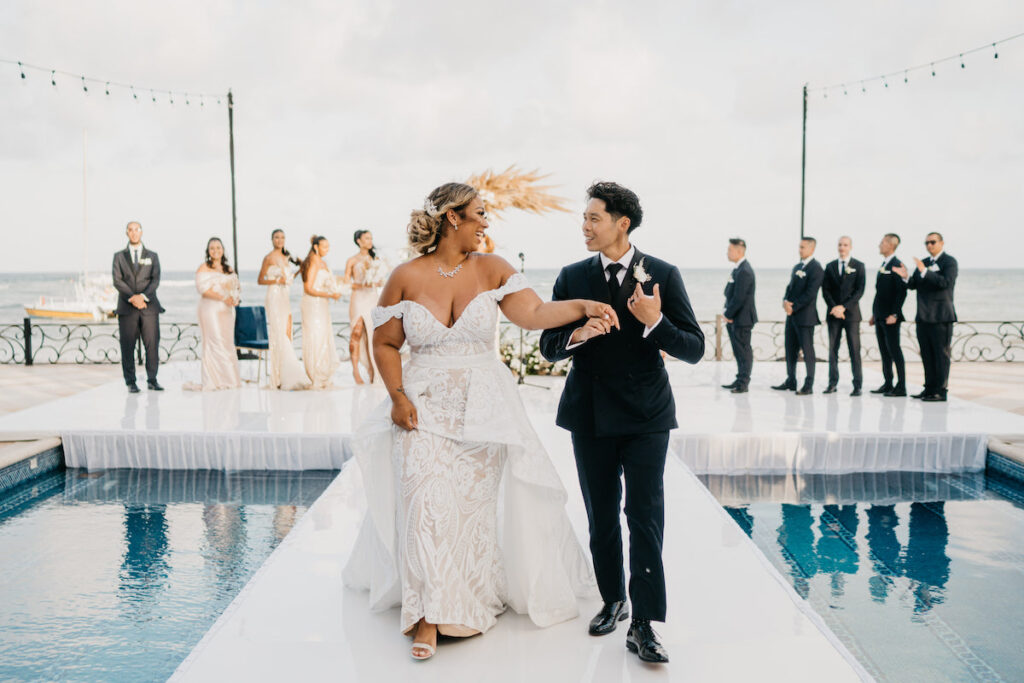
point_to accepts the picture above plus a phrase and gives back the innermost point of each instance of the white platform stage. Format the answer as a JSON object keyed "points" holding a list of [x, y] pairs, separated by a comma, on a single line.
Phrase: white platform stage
{"points": [[731, 616], [763, 431]]}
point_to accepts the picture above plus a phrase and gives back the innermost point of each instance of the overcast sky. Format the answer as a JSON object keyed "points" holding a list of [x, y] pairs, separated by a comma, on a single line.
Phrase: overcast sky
{"points": [[348, 113]]}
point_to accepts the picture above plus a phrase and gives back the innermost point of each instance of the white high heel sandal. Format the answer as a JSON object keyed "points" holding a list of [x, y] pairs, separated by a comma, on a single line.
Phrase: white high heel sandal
{"points": [[422, 646]]}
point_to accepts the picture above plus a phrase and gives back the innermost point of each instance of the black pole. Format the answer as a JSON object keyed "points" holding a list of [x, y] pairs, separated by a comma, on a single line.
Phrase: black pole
{"points": [[231, 148], [28, 341], [803, 166]]}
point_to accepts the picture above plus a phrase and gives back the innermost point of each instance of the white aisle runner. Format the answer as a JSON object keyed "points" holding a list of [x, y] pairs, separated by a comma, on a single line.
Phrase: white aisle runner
{"points": [[731, 615]]}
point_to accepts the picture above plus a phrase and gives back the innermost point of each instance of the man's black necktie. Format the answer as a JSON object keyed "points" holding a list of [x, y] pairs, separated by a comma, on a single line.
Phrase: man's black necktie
{"points": [[613, 280], [842, 268]]}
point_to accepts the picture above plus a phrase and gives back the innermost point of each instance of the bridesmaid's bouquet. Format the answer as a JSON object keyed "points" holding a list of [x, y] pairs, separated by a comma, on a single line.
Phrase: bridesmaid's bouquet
{"points": [[375, 274], [228, 285]]}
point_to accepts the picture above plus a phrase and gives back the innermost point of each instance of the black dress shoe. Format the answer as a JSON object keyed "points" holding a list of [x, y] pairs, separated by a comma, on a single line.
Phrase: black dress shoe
{"points": [[830, 389], [933, 398], [921, 395], [739, 389], [896, 392], [609, 616], [729, 386], [855, 392], [642, 640], [785, 386], [153, 386], [884, 389], [805, 391], [133, 388]]}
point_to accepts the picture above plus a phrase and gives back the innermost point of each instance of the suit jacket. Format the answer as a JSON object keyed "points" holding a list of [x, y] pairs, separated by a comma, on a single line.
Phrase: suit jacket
{"points": [[802, 292], [130, 280], [618, 384], [935, 290], [890, 293], [846, 290], [739, 296]]}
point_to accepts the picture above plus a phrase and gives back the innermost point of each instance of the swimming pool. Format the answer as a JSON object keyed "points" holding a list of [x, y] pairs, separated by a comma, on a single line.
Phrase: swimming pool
{"points": [[921, 576], [116, 575]]}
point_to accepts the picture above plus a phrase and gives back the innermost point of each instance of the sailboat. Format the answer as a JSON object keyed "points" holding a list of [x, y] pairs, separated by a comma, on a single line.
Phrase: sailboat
{"points": [[95, 298]]}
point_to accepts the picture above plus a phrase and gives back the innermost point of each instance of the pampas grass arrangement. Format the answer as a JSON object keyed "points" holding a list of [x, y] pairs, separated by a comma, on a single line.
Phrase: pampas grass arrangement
{"points": [[515, 189]]}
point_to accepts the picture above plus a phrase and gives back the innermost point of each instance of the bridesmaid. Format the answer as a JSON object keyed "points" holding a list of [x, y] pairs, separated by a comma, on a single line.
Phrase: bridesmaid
{"points": [[219, 291], [366, 273], [319, 354], [277, 274]]}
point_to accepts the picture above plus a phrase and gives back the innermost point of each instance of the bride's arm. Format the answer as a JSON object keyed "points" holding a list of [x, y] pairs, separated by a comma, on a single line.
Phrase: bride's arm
{"points": [[529, 311], [387, 344]]}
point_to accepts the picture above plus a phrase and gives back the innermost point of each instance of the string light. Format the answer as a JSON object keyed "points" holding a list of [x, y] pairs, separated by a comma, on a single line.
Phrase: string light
{"points": [[905, 72], [108, 85]]}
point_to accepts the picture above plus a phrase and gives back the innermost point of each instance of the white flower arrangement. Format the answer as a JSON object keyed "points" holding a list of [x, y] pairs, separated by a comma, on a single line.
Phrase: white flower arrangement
{"points": [[639, 274], [850, 270], [883, 271], [147, 261], [934, 267], [801, 273]]}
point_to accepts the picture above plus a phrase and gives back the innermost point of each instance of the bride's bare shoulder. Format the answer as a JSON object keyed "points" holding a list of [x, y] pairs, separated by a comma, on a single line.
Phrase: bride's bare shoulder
{"points": [[497, 269], [403, 278]]}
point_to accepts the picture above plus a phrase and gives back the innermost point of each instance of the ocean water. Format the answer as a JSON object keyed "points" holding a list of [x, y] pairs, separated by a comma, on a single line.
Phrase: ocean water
{"points": [[981, 295]]}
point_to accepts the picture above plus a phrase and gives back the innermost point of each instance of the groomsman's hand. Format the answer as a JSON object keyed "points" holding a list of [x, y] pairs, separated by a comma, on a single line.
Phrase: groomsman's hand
{"points": [[892, 320], [920, 264], [901, 271], [787, 306], [871, 321], [838, 311], [646, 309]]}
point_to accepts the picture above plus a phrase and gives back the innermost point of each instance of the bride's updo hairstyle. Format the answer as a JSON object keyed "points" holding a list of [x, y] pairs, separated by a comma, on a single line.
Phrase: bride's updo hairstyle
{"points": [[426, 225], [314, 242]]}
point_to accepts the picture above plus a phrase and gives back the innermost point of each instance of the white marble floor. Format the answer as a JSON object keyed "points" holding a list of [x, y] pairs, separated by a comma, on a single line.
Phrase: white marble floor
{"points": [[731, 616]]}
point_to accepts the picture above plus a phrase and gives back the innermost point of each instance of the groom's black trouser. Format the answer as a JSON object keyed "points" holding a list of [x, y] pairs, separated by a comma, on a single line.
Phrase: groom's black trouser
{"points": [[602, 463]]}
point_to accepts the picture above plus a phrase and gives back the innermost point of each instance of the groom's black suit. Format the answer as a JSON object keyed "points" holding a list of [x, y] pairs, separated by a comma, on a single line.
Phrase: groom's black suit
{"points": [[618, 404]]}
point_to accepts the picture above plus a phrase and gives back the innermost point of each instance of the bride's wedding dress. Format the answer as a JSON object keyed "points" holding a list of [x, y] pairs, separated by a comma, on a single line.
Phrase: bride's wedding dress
{"points": [[466, 514]]}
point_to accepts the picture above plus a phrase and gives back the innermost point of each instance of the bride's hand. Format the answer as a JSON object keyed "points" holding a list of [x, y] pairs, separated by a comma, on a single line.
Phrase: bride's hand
{"points": [[602, 311], [403, 414]]}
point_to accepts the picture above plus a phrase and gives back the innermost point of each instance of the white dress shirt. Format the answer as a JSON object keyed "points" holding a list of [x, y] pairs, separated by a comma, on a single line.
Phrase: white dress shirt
{"points": [[136, 256], [935, 259], [626, 259]]}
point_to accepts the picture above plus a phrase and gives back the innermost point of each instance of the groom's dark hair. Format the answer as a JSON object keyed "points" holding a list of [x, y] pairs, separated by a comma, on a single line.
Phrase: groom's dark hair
{"points": [[619, 202]]}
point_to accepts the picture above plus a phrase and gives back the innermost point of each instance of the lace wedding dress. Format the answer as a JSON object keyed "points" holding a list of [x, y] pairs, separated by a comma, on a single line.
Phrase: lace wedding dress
{"points": [[285, 369], [466, 514]]}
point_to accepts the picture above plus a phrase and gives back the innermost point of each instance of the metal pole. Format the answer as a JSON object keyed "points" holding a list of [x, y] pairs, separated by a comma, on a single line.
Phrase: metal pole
{"points": [[803, 166], [231, 148], [28, 341]]}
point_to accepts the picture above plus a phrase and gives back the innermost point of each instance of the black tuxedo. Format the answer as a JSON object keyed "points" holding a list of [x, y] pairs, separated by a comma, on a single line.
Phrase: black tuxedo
{"points": [[618, 404], [890, 293], [844, 289], [740, 309], [935, 318], [131, 279], [802, 292]]}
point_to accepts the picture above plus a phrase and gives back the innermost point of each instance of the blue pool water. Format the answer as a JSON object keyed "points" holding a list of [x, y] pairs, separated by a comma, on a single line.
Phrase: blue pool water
{"points": [[115, 576], [920, 576]]}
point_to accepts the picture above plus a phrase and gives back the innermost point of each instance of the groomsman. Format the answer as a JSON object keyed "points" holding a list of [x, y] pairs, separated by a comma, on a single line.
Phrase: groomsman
{"points": [[801, 306], [136, 273], [842, 287], [934, 279], [740, 314], [887, 317]]}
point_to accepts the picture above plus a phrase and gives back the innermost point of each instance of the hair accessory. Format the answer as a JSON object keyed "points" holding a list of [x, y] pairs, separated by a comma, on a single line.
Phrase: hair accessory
{"points": [[430, 208]]}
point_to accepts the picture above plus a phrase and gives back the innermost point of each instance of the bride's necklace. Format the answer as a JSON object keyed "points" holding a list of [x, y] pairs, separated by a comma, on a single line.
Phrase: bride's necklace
{"points": [[450, 273]]}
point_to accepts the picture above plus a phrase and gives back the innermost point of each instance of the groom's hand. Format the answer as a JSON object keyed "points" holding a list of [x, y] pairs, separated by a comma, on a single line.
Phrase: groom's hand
{"points": [[646, 309], [594, 327]]}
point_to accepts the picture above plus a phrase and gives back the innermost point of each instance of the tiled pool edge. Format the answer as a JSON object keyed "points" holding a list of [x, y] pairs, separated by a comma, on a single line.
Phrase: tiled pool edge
{"points": [[1004, 467], [31, 467]]}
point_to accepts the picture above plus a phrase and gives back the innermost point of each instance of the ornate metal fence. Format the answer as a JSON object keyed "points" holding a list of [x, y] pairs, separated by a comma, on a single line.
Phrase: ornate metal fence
{"points": [[30, 342]]}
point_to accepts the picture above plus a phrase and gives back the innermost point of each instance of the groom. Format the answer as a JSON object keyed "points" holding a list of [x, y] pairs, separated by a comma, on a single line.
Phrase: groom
{"points": [[618, 404]]}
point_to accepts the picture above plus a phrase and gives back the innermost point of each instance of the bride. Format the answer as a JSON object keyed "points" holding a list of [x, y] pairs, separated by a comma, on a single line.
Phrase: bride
{"points": [[453, 440]]}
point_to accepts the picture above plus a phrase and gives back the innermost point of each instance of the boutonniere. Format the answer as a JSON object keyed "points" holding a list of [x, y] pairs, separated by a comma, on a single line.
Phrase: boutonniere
{"points": [[145, 261], [934, 267], [851, 270], [801, 273], [883, 271], [639, 274], [731, 281]]}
